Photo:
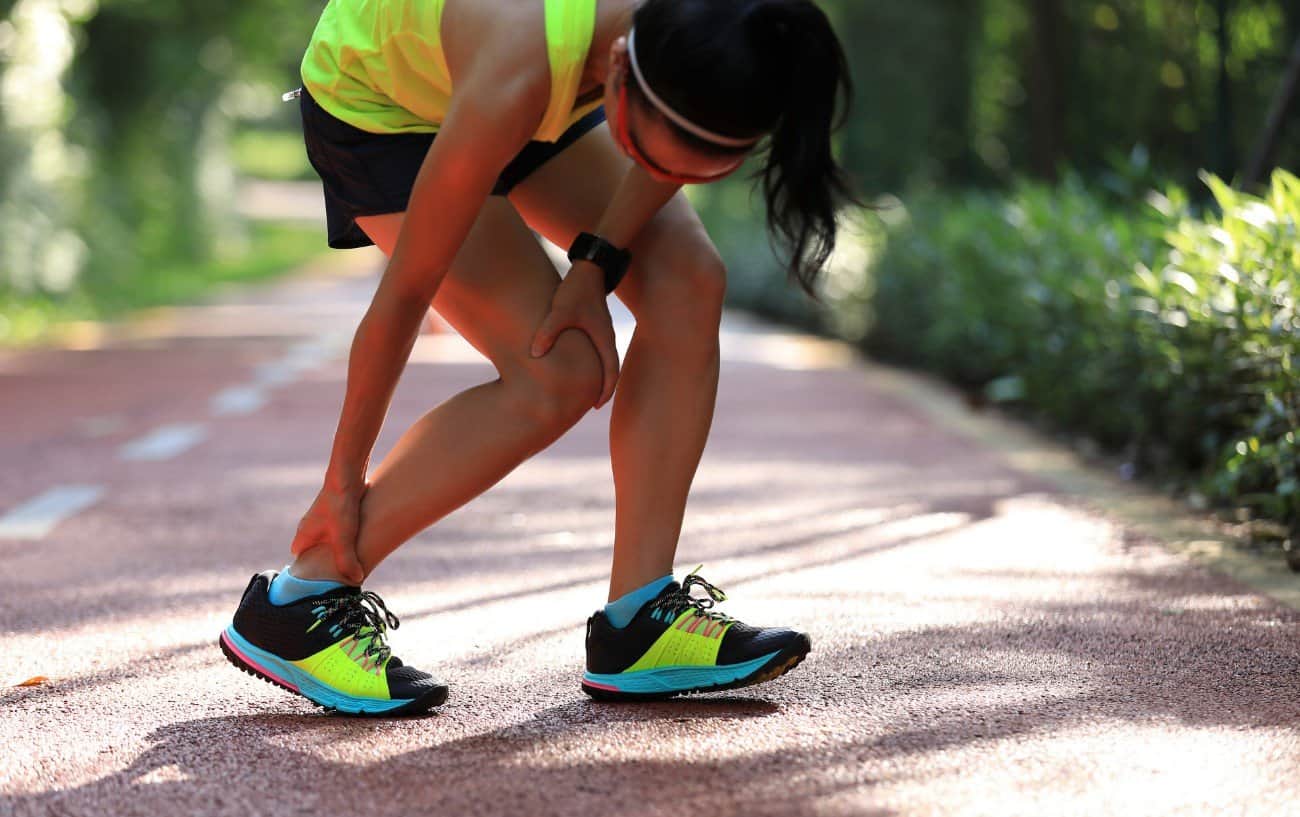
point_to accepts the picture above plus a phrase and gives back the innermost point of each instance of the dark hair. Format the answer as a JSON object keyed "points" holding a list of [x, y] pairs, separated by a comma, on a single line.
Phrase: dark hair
{"points": [[748, 67]]}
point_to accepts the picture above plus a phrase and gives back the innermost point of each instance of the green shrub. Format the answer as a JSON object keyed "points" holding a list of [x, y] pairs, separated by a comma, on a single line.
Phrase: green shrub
{"points": [[1022, 294], [1230, 286], [1165, 335]]}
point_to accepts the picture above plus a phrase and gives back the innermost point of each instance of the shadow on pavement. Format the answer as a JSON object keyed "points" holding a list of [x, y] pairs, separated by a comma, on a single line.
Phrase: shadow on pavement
{"points": [[219, 764], [1050, 670]]}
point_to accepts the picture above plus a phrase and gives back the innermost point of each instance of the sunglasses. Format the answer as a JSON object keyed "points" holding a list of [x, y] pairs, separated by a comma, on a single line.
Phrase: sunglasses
{"points": [[624, 136]]}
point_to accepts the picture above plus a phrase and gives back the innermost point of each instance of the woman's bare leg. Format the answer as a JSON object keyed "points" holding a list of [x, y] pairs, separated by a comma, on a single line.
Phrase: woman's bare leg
{"points": [[663, 408], [496, 295]]}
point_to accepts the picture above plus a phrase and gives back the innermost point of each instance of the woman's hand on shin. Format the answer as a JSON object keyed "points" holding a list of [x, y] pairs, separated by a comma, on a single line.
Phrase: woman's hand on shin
{"points": [[579, 303]]}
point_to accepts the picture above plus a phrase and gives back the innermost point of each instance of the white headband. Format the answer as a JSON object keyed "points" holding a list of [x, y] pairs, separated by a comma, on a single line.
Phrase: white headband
{"points": [[673, 116]]}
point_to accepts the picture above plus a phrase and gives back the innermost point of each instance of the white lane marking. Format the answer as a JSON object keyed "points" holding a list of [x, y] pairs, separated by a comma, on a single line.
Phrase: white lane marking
{"points": [[238, 400], [163, 443], [300, 358], [35, 518], [296, 361], [275, 373]]}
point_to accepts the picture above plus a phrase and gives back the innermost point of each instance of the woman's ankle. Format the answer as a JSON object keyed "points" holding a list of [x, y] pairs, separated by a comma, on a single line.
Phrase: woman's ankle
{"points": [[316, 564]]}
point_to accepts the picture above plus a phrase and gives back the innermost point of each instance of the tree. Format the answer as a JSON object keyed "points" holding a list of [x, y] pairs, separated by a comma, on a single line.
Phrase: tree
{"points": [[1046, 75]]}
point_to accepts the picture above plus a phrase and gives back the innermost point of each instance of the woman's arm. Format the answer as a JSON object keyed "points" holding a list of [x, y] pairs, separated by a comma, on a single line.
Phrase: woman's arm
{"points": [[490, 120], [580, 300], [636, 200]]}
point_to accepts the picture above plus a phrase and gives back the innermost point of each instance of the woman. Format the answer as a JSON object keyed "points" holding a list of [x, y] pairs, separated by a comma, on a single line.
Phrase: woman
{"points": [[513, 91]]}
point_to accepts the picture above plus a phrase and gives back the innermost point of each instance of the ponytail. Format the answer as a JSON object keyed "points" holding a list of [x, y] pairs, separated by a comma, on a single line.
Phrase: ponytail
{"points": [[802, 183], [774, 67]]}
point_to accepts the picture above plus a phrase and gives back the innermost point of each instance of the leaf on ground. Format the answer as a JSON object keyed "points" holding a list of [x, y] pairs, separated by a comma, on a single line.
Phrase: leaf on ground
{"points": [[34, 681]]}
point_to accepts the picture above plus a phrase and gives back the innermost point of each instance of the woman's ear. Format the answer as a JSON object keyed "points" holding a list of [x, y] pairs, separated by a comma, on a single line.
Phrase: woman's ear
{"points": [[617, 59], [616, 75]]}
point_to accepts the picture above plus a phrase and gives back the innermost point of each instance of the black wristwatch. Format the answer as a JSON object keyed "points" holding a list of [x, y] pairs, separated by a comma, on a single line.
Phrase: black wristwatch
{"points": [[611, 259]]}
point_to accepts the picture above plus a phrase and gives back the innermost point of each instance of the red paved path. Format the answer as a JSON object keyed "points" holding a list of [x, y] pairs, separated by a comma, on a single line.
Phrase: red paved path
{"points": [[981, 645]]}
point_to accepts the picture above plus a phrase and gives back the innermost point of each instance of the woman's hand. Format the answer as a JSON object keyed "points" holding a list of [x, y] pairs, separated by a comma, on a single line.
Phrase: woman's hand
{"points": [[579, 302], [333, 521]]}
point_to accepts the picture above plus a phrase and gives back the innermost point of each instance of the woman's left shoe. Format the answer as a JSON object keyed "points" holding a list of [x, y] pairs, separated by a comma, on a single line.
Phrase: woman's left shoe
{"points": [[676, 645]]}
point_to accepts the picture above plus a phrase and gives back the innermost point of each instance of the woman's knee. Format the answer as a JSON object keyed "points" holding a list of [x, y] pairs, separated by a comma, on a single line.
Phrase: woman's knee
{"points": [[557, 389], [685, 290]]}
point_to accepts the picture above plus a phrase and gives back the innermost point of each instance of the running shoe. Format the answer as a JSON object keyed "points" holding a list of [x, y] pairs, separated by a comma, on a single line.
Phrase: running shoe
{"points": [[329, 649], [676, 644]]}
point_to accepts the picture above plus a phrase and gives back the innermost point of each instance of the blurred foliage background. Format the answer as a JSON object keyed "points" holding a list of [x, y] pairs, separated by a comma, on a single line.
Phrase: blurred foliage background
{"points": [[120, 125], [1082, 216], [1078, 215]]}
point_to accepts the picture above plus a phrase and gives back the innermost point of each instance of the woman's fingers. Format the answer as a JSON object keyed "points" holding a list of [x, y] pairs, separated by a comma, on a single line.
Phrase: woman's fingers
{"points": [[597, 325], [338, 534], [343, 550], [546, 334], [607, 348], [304, 540], [345, 562]]}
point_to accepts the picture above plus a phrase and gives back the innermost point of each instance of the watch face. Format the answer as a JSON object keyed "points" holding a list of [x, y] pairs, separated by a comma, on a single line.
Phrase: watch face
{"points": [[612, 260], [584, 248]]}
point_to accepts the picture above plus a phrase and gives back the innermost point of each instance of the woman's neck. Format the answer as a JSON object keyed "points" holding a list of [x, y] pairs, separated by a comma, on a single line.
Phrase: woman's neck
{"points": [[613, 19]]}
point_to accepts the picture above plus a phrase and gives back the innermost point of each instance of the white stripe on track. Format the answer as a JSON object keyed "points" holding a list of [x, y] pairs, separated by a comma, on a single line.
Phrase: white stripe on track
{"points": [[238, 400], [299, 359], [163, 443], [35, 518]]}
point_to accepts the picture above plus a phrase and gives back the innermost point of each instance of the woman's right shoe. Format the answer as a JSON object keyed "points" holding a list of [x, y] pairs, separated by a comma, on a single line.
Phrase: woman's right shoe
{"points": [[329, 649], [676, 644]]}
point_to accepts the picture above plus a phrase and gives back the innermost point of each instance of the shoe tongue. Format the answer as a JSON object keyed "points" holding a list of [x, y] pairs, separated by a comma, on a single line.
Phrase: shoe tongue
{"points": [[329, 595], [671, 587], [339, 592]]}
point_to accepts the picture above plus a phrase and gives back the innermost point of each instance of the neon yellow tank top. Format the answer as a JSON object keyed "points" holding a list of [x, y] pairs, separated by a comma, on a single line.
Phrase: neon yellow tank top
{"points": [[379, 65]]}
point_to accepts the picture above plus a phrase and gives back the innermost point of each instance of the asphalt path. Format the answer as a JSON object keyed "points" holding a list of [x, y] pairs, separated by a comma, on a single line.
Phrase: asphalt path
{"points": [[982, 643]]}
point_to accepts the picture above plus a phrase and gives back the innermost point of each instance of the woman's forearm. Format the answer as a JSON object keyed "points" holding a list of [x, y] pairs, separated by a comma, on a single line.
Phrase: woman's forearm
{"points": [[380, 349], [636, 200]]}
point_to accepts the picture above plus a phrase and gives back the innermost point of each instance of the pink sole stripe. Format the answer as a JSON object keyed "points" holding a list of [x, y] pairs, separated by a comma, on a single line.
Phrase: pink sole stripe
{"points": [[602, 686], [258, 666]]}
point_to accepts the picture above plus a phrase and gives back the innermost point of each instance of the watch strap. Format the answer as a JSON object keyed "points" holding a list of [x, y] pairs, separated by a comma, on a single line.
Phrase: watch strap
{"points": [[614, 261]]}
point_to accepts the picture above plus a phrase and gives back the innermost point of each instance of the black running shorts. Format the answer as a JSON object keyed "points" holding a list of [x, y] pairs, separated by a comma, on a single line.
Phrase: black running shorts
{"points": [[369, 174]]}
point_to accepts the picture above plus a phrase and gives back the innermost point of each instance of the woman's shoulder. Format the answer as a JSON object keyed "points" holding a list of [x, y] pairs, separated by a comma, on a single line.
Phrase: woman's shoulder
{"points": [[506, 33], [503, 40]]}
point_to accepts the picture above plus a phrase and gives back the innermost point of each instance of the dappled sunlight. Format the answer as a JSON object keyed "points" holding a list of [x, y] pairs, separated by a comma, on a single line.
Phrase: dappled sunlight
{"points": [[1217, 603], [978, 645], [298, 476], [1175, 770], [1048, 734], [444, 348], [787, 352], [116, 639], [170, 773]]}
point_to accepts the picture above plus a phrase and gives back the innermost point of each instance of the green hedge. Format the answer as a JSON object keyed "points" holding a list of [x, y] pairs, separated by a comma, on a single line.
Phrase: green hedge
{"points": [[1164, 335]]}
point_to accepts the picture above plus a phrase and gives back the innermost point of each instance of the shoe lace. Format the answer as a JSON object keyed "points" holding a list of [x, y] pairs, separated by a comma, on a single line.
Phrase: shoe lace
{"points": [[682, 599], [363, 615]]}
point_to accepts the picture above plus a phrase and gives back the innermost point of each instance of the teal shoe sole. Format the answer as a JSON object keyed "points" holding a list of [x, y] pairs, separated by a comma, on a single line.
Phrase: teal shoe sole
{"points": [[262, 664], [666, 682]]}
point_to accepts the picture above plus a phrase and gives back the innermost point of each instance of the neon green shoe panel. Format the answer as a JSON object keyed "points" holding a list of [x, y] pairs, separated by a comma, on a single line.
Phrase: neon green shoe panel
{"points": [[691, 640], [357, 676]]}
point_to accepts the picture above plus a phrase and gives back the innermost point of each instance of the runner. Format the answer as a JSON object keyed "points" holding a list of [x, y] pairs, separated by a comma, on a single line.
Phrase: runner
{"points": [[446, 132]]}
